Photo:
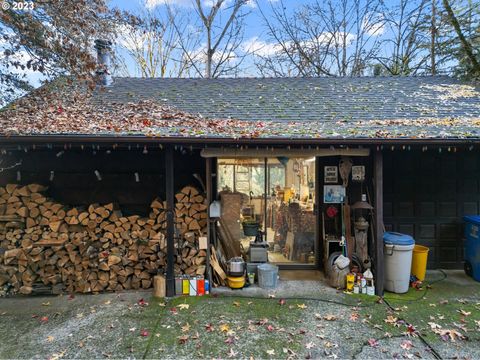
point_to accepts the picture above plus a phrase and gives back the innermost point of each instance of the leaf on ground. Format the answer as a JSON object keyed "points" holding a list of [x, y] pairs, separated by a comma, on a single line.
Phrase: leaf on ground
{"points": [[236, 303], [108, 302], [444, 302], [330, 317], [270, 328], [406, 345], [132, 329], [142, 302], [282, 302], [391, 320], [434, 326], [186, 327], [464, 313], [450, 334], [46, 303], [271, 352], [144, 333], [411, 331], [262, 321], [44, 319], [209, 327], [230, 340], [271, 296], [232, 353], [162, 304], [183, 306], [318, 316], [354, 316], [373, 343], [224, 328], [183, 339], [309, 345], [302, 306], [50, 338]]}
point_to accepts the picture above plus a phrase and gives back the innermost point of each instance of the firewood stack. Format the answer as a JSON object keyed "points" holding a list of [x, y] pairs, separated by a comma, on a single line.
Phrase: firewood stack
{"points": [[94, 248]]}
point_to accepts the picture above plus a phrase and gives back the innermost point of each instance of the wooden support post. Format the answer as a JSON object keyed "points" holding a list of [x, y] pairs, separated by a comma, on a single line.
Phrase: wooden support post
{"points": [[169, 191], [379, 260], [208, 185]]}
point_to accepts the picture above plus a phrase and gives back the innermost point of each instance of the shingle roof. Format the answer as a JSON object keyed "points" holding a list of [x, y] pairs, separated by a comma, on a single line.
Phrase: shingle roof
{"points": [[307, 99], [307, 108]]}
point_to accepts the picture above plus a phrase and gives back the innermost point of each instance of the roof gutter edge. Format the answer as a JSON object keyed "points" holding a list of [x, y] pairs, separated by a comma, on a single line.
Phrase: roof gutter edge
{"points": [[23, 139]]}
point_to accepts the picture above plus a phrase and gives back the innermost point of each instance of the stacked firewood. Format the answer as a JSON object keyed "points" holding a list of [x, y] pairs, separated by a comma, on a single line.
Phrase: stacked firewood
{"points": [[94, 248]]}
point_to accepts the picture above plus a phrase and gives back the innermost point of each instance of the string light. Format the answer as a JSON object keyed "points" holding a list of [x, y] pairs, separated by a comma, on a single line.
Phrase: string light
{"points": [[52, 175], [137, 177], [98, 175], [145, 150], [60, 153], [19, 176]]}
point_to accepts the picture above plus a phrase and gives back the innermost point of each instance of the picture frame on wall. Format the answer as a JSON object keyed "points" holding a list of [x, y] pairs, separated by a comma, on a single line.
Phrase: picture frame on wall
{"points": [[331, 174], [333, 194], [358, 173]]}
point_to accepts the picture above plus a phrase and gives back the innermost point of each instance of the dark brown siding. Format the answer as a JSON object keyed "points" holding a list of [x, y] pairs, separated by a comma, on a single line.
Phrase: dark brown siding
{"points": [[76, 184], [426, 194]]}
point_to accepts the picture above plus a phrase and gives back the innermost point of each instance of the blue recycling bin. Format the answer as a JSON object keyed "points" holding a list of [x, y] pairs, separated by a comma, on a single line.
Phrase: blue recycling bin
{"points": [[472, 246]]}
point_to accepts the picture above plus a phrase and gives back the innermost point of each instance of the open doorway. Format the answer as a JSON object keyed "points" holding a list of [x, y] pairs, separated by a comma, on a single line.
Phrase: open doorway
{"points": [[271, 200]]}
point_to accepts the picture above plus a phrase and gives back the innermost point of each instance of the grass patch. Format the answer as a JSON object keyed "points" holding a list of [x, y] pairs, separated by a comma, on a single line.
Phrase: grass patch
{"points": [[222, 326], [441, 303]]}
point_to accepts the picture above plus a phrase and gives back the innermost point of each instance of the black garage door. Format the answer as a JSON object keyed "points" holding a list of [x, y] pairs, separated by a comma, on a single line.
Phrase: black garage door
{"points": [[426, 194]]}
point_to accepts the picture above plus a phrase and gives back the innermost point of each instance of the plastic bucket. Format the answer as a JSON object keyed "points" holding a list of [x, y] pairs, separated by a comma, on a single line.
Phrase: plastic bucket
{"points": [[398, 261], [419, 261], [267, 276]]}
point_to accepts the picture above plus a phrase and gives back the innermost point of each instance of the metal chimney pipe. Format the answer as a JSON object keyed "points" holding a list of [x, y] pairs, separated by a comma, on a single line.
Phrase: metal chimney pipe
{"points": [[104, 48]]}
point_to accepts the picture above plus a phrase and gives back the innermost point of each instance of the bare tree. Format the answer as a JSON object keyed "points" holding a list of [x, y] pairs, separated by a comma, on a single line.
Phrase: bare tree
{"points": [[333, 37], [214, 48], [405, 51], [152, 45]]}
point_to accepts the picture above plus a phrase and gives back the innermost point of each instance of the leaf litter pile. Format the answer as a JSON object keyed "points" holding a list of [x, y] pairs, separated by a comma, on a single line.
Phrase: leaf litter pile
{"points": [[73, 109]]}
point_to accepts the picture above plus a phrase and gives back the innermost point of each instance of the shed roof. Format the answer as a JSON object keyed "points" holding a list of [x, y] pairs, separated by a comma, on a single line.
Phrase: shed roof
{"points": [[273, 108]]}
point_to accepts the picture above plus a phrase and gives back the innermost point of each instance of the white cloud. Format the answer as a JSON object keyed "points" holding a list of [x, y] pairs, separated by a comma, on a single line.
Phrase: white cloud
{"points": [[259, 47], [151, 4]]}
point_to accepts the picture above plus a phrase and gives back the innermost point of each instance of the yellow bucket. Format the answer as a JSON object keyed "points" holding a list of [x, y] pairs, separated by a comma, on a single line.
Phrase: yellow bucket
{"points": [[419, 261]]}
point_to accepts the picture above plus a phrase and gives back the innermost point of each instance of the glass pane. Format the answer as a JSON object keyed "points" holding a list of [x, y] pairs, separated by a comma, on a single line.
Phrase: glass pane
{"points": [[290, 216]]}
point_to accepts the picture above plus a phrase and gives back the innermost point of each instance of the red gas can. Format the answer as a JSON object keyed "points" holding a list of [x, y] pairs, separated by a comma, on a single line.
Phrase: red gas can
{"points": [[200, 286]]}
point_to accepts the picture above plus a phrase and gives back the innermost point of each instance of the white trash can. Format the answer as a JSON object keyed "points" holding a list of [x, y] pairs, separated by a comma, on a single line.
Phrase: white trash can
{"points": [[397, 250]]}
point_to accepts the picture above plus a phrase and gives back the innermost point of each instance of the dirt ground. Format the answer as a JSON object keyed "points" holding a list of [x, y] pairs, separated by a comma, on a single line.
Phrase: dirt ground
{"points": [[441, 321]]}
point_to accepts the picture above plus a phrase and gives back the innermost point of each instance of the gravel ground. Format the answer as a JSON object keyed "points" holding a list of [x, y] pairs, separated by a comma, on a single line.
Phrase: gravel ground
{"points": [[111, 325]]}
